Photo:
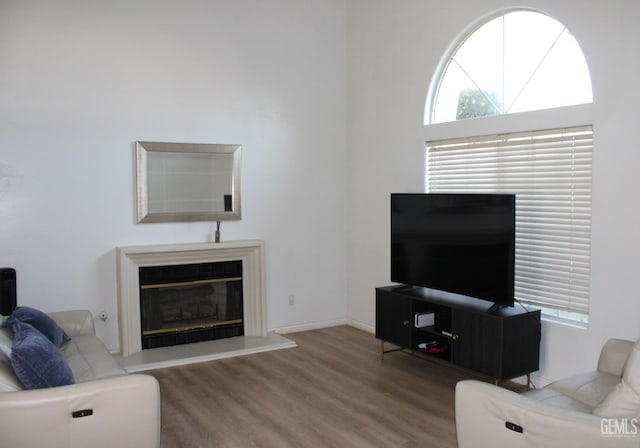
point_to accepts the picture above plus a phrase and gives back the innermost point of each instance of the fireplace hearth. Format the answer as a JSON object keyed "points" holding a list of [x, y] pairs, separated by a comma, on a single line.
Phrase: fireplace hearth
{"points": [[186, 303]]}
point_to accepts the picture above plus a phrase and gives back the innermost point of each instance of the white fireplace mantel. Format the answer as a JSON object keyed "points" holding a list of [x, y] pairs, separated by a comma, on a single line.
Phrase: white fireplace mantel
{"points": [[131, 258]]}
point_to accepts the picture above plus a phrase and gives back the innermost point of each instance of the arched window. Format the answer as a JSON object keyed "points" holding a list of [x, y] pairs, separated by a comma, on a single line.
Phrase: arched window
{"points": [[523, 61], [520, 61]]}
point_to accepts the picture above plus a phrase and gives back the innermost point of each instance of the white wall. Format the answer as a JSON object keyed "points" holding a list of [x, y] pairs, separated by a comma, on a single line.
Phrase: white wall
{"points": [[394, 49], [81, 81]]}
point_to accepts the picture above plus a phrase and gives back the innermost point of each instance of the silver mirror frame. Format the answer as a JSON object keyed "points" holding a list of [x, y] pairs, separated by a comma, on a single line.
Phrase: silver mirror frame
{"points": [[142, 182]]}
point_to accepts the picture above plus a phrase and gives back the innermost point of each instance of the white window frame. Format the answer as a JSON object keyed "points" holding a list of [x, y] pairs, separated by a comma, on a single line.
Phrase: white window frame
{"points": [[559, 117], [450, 54]]}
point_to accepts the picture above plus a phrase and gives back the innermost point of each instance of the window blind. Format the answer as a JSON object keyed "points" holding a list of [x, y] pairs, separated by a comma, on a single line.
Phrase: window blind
{"points": [[550, 172]]}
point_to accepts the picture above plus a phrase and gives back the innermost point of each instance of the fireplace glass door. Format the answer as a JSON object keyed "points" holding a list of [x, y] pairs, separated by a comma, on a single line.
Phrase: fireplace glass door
{"points": [[190, 303]]}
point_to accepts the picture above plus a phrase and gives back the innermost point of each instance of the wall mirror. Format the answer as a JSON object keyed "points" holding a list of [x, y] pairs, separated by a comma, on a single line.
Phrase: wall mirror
{"points": [[178, 182]]}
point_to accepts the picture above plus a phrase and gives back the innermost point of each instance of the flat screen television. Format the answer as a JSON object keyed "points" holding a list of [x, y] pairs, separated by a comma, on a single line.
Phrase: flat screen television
{"points": [[457, 243]]}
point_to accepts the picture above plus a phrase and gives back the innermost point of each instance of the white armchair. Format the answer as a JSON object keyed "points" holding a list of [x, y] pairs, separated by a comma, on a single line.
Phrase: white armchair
{"points": [[594, 409]]}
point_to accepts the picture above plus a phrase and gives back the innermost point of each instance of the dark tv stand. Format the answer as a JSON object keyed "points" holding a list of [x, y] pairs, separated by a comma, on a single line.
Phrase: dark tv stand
{"points": [[499, 342]]}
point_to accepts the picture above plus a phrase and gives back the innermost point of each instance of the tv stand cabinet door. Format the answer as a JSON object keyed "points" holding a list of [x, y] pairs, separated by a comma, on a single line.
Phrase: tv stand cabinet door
{"points": [[393, 318], [478, 341]]}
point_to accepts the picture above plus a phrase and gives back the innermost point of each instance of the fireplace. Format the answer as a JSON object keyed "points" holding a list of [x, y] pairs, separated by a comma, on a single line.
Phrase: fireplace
{"points": [[245, 260], [186, 303]]}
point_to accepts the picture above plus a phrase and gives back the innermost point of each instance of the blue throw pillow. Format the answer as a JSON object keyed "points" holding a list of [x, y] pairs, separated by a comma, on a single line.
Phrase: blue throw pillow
{"points": [[41, 322], [36, 362]]}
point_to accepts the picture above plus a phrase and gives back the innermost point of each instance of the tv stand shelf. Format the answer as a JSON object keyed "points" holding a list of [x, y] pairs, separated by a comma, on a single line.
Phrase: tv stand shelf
{"points": [[500, 343]]}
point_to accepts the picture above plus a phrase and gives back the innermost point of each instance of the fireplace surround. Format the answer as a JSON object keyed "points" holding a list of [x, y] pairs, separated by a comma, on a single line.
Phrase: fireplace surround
{"points": [[131, 258]]}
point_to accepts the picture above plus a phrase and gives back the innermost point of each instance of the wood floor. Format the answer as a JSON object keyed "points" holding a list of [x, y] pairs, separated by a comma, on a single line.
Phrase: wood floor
{"points": [[331, 391]]}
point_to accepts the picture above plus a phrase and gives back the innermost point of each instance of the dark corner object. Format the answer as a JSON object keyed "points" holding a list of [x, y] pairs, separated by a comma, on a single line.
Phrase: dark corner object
{"points": [[7, 291]]}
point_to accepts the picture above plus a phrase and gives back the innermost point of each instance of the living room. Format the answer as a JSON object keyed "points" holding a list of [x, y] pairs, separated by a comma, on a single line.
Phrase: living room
{"points": [[327, 99]]}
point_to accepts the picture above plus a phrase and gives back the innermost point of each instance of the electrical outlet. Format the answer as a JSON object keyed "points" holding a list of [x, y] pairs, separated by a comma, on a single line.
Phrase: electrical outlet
{"points": [[292, 300]]}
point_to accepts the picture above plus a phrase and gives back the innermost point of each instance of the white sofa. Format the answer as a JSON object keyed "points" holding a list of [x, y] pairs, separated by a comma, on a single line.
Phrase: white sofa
{"points": [[105, 408], [589, 410]]}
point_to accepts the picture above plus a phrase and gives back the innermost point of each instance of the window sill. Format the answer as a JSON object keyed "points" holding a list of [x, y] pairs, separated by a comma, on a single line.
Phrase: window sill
{"points": [[569, 323]]}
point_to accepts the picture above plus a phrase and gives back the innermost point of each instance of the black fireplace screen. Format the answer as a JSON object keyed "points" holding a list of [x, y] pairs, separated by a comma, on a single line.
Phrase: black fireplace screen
{"points": [[190, 303]]}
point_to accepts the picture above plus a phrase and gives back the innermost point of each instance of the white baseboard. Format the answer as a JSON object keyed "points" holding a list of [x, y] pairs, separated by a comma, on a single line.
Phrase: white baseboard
{"points": [[361, 326], [326, 324], [310, 326]]}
